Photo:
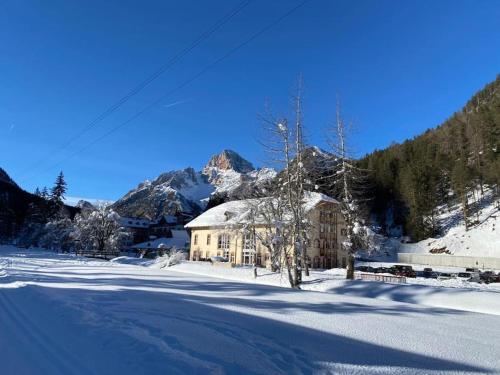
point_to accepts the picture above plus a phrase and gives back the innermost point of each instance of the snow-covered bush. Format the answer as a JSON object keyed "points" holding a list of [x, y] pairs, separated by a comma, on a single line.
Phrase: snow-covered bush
{"points": [[172, 258], [30, 234], [100, 230], [58, 235]]}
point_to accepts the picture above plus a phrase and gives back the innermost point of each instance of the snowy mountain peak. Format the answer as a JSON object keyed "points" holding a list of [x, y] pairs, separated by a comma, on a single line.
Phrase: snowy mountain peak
{"points": [[188, 190], [228, 160]]}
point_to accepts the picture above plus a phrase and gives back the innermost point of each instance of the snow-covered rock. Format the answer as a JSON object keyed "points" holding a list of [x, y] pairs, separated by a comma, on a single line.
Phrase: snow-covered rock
{"points": [[188, 190]]}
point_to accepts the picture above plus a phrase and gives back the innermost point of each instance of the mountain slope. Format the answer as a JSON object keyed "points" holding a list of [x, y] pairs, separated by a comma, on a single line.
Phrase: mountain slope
{"points": [[188, 190], [169, 193], [14, 204], [442, 166], [481, 240]]}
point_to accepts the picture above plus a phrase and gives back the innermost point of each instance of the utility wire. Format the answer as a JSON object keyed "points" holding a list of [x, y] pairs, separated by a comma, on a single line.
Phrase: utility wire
{"points": [[137, 89], [183, 84]]}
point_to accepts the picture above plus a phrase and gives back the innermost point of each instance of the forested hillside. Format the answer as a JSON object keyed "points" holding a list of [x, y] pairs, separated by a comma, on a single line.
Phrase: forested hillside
{"points": [[453, 163]]}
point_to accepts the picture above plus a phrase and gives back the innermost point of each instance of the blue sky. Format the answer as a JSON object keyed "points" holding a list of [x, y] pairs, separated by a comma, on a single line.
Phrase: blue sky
{"points": [[399, 68]]}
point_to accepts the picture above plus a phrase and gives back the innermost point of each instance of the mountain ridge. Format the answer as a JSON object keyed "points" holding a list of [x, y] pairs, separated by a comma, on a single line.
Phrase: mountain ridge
{"points": [[187, 190]]}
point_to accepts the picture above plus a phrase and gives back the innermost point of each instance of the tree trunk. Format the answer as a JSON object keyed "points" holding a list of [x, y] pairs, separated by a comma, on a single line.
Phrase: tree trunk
{"points": [[304, 262], [464, 210], [350, 267]]}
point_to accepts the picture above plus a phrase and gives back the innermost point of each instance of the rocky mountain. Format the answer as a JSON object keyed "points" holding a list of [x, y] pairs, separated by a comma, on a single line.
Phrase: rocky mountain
{"points": [[228, 160], [188, 190], [85, 206]]}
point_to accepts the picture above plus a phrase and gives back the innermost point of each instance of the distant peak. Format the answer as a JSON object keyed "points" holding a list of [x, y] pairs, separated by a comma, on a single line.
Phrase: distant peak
{"points": [[228, 160]]}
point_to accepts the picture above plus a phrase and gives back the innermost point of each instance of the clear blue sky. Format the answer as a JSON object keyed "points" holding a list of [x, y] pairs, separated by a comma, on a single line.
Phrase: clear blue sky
{"points": [[399, 67]]}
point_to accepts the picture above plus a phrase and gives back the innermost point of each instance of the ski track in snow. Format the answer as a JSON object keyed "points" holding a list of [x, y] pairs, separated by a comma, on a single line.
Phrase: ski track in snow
{"points": [[62, 314]]}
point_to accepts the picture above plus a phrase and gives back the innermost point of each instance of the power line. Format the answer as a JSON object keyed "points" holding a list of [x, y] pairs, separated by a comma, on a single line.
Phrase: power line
{"points": [[171, 62], [183, 84]]}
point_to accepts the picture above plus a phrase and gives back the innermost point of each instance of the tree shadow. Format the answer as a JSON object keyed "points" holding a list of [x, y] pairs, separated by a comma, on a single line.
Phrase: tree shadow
{"points": [[179, 333], [406, 293], [177, 323], [266, 297]]}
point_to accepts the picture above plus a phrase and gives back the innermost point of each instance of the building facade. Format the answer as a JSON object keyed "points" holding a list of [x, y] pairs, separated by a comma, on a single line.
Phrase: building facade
{"points": [[223, 231]]}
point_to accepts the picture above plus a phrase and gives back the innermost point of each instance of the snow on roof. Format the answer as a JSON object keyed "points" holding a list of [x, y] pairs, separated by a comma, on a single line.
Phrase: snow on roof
{"points": [[169, 219], [237, 212], [178, 240], [134, 222]]}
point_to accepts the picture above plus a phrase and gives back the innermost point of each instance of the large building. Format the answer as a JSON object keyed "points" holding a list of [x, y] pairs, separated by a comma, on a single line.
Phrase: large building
{"points": [[223, 231]]}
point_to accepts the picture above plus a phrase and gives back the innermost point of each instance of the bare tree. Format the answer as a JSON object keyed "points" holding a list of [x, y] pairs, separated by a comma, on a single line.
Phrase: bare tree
{"points": [[267, 223], [348, 184], [285, 145]]}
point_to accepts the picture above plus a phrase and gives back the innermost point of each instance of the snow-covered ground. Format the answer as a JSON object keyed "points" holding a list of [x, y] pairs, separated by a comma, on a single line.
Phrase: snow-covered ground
{"points": [[63, 314], [452, 294], [482, 239]]}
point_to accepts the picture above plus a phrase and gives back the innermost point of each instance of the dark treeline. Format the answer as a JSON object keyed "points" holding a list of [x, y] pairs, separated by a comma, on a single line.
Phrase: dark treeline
{"points": [[454, 163], [21, 211]]}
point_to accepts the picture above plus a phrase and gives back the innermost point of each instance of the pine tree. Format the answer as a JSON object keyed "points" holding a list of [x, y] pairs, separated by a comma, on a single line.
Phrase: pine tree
{"points": [[57, 196], [59, 189]]}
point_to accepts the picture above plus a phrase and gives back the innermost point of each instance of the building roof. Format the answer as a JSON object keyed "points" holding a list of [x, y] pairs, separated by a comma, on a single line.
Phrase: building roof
{"points": [[134, 222], [169, 219], [178, 240], [239, 212]]}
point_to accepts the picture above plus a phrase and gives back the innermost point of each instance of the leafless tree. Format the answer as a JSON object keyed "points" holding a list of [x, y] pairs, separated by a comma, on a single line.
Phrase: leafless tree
{"points": [[348, 184], [285, 145]]}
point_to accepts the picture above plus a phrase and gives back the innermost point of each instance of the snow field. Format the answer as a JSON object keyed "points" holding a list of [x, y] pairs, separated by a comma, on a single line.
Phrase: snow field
{"points": [[62, 314]]}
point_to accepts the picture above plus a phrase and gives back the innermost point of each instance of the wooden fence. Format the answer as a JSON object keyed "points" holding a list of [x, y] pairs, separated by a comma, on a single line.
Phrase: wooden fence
{"points": [[382, 278]]}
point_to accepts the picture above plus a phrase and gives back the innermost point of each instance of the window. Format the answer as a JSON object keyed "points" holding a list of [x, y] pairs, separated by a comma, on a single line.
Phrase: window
{"points": [[248, 248], [248, 257], [249, 242], [232, 257], [223, 241], [209, 237], [196, 239], [317, 244], [322, 228]]}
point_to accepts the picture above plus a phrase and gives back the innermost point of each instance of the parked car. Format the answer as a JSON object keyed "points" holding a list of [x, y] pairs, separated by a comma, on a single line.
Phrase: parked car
{"points": [[400, 270], [472, 270], [382, 270], [428, 273], [218, 259], [361, 268], [488, 277], [464, 276], [444, 276]]}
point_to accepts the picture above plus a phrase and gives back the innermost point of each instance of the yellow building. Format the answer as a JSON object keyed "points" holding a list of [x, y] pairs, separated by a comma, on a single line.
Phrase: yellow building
{"points": [[225, 231]]}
